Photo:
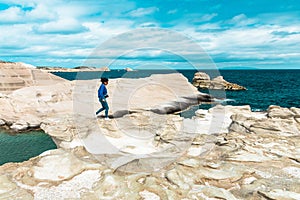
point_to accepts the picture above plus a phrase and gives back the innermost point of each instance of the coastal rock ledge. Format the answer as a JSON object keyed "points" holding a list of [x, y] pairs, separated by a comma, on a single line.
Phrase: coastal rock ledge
{"points": [[226, 152], [249, 158], [203, 81]]}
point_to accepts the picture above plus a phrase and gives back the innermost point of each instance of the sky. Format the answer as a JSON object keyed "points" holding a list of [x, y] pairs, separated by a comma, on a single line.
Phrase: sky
{"points": [[234, 34]]}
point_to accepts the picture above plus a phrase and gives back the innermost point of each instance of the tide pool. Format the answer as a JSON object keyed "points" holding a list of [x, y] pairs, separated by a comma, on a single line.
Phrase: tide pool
{"points": [[23, 146]]}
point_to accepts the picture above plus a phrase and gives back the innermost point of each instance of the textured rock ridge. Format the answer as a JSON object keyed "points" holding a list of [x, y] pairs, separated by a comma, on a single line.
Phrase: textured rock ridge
{"points": [[14, 76], [233, 164]]}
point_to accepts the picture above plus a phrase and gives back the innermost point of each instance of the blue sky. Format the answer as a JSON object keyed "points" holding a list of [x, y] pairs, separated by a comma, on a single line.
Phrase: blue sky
{"points": [[234, 33]]}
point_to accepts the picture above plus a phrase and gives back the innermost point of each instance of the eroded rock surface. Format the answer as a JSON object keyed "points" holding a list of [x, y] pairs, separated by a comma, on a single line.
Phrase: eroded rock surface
{"points": [[240, 163], [14, 76], [30, 106]]}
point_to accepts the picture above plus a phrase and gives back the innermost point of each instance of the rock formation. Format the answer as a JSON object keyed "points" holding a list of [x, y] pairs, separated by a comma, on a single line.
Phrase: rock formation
{"points": [[226, 152], [14, 76], [241, 162], [203, 81], [29, 106], [128, 69]]}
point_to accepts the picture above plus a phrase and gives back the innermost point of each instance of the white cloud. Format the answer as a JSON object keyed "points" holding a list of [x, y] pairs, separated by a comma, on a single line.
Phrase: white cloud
{"points": [[78, 27], [20, 2], [243, 44], [18, 15], [209, 27], [143, 11], [62, 26], [242, 20], [149, 24], [208, 17], [41, 12], [11, 15]]}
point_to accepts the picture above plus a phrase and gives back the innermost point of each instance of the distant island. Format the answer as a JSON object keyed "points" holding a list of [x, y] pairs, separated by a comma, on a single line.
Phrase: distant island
{"points": [[239, 68], [75, 69]]}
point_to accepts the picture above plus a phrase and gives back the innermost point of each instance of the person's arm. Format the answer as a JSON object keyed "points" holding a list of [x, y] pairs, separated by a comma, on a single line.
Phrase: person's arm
{"points": [[101, 92]]}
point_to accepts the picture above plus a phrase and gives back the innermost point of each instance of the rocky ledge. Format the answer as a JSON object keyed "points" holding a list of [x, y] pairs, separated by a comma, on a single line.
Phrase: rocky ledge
{"points": [[222, 153], [14, 76], [29, 107], [203, 81]]}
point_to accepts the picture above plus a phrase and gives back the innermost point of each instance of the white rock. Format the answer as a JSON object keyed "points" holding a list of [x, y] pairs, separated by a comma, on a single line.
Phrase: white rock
{"points": [[293, 171], [201, 113], [128, 69], [281, 194], [146, 195], [176, 179], [58, 165], [19, 125], [214, 192], [68, 189], [296, 111], [279, 112], [201, 76], [249, 180]]}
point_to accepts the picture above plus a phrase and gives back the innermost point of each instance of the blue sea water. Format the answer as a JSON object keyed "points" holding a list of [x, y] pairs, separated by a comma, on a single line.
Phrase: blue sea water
{"points": [[264, 87], [21, 147]]}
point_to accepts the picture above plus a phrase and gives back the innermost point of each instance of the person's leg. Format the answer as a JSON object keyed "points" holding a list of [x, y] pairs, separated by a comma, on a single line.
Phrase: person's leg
{"points": [[105, 106], [100, 110]]}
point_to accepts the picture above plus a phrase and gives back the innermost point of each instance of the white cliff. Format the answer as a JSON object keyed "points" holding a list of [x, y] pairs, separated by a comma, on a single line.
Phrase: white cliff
{"points": [[18, 75]]}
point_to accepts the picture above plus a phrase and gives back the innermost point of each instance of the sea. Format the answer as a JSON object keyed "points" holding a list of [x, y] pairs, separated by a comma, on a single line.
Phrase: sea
{"points": [[264, 88], [18, 147]]}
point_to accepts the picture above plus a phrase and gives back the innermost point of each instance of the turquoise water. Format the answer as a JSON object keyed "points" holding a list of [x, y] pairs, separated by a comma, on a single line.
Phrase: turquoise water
{"points": [[21, 147]]}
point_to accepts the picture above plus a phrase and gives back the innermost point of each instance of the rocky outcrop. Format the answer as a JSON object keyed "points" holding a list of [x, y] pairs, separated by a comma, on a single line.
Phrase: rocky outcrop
{"points": [[276, 120], [128, 69], [203, 81], [234, 164], [14, 76], [29, 107]]}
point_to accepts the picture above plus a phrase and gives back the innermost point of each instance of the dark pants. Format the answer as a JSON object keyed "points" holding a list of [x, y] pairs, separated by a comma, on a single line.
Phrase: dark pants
{"points": [[104, 107]]}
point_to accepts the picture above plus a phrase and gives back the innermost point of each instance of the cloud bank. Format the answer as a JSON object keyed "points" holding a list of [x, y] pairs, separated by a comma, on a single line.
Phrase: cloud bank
{"points": [[257, 33]]}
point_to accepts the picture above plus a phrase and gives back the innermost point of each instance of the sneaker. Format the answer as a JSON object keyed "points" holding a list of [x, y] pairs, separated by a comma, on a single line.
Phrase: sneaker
{"points": [[107, 119]]}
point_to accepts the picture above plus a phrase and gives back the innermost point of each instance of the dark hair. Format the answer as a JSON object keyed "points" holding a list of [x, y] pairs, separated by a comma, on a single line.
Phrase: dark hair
{"points": [[104, 80]]}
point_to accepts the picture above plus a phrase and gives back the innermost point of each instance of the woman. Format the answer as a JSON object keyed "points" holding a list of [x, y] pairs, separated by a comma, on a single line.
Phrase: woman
{"points": [[102, 95]]}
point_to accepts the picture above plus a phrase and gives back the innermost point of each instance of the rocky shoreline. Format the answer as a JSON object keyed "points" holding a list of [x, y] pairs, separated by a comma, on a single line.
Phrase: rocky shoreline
{"points": [[226, 152], [248, 155]]}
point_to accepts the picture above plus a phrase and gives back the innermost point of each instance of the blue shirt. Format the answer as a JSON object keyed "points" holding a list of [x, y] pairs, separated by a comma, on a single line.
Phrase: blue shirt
{"points": [[102, 91]]}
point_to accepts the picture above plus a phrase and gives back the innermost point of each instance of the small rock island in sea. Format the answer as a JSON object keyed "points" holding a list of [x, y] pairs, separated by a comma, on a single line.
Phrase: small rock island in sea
{"points": [[203, 81], [226, 152]]}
